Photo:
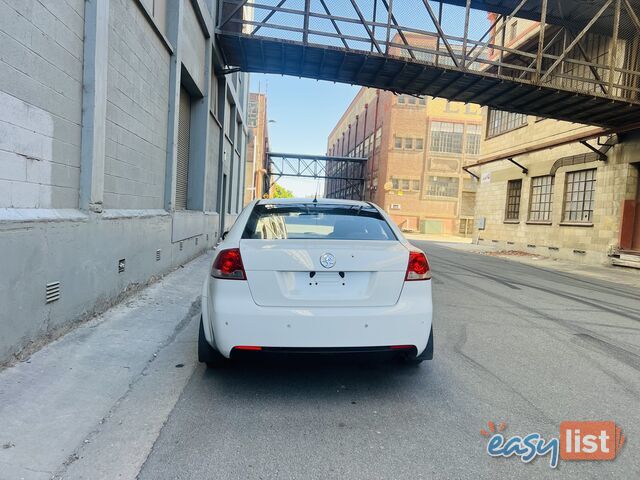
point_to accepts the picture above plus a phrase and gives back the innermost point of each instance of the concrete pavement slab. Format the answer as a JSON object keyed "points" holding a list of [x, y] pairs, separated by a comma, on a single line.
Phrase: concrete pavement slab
{"points": [[56, 400]]}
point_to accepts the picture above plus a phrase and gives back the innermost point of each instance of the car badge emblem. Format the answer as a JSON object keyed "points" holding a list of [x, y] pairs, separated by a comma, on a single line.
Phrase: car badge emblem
{"points": [[327, 260]]}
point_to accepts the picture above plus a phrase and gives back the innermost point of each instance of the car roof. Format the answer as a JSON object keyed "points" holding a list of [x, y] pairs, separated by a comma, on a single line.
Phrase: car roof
{"points": [[322, 201]]}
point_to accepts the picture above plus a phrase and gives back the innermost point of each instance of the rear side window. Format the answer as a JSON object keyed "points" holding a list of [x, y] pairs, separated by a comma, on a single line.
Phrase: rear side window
{"points": [[317, 221]]}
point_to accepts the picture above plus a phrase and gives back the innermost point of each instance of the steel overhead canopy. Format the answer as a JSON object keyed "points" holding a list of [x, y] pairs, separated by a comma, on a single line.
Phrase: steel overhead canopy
{"points": [[569, 13]]}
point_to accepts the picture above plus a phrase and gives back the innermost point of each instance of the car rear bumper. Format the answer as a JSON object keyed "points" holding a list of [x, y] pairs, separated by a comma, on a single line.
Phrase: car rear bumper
{"points": [[232, 319]]}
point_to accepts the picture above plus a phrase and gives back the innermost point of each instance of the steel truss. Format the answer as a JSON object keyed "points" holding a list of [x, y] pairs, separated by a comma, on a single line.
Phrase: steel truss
{"points": [[582, 64], [344, 176]]}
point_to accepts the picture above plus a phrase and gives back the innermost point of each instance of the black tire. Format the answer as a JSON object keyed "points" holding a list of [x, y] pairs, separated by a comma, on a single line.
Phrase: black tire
{"points": [[427, 354], [207, 354]]}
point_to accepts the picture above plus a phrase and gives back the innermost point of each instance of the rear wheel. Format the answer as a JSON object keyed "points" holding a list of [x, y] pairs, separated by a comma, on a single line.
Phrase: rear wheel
{"points": [[207, 354], [427, 354]]}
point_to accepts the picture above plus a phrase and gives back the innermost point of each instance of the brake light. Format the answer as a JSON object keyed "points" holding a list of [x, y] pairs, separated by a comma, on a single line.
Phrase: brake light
{"points": [[228, 265], [418, 267]]}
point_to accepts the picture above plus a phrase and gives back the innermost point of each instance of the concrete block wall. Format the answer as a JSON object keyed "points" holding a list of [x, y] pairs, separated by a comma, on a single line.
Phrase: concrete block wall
{"points": [[616, 180], [137, 99], [48, 233], [41, 61]]}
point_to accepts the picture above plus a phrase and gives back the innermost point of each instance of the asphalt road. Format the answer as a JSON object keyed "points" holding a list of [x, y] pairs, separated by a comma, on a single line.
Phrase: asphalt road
{"points": [[513, 343]]}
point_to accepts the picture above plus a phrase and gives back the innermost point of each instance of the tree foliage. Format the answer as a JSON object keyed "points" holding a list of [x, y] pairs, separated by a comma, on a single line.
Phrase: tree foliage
{"points": [[281, 192]]}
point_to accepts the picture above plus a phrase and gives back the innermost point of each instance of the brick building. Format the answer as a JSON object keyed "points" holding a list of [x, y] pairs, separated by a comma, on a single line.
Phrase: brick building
{"points": [[416, 148], [121, 152], [257, 147]]}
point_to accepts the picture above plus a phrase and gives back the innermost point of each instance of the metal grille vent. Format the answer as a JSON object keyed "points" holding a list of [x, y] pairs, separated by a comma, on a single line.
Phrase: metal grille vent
{"points": [[207, 237], [196, 241], [158, 255], [52, 292], [121, 263], [180, 246]]}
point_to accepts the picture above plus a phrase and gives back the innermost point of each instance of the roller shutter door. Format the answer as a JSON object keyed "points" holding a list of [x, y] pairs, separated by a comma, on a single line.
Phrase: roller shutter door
{"points": [[182, 167]]}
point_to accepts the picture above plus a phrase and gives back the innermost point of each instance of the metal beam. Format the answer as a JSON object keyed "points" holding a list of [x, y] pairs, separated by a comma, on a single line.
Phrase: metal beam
{"points": [[602, 156], [436, 23], [576, 40]]}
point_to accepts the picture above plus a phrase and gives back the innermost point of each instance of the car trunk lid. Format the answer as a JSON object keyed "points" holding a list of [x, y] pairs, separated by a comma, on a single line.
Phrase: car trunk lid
{"points": [[290, 272]]}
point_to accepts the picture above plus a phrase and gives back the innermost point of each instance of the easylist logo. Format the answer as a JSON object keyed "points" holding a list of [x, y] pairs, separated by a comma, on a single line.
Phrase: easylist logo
{"points": [[577, 441], [590, 440]]}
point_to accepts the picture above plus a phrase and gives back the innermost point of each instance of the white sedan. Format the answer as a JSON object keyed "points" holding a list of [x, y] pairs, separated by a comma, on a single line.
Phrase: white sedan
{"points": [[300, 276]]}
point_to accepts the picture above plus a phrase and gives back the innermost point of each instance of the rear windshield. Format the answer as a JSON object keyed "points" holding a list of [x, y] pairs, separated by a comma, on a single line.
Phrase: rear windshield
{"points": [[317, 221]]}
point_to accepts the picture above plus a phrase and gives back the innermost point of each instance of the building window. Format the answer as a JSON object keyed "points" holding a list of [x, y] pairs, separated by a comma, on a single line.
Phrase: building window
{"points": [[443, 187], [514, 190], [408, 143], [541, 199], [422, 100], [378, 137], [405, 184], [513, 31], [446, 137], [411, 100], [398, 142], [400, 98], [419, 143], [472, 145], [501, 122], [579, 196]]}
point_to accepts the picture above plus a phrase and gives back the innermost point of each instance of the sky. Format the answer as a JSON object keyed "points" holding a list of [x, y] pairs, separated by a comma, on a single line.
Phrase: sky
{"points": [[302, 113]]}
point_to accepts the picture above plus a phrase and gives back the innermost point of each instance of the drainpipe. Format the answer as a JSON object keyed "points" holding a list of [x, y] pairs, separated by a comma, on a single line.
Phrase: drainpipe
{"points": [[373, 151]]}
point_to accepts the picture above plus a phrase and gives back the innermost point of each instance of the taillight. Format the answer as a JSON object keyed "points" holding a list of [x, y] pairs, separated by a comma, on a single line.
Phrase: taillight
{"points": [[228, 265], [418, 267]]}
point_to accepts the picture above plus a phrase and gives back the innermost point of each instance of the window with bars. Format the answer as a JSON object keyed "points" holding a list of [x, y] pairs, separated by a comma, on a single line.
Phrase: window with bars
{"points": [[446, 137], [579, 196], [419, 144], [408, 143], [502, 122], [541, 198], [443, 187], [472, 145], [398, 142], [514, 191]]}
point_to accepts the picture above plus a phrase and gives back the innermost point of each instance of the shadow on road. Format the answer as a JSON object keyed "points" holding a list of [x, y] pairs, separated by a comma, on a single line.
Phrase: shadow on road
{"points": [[312, 378]]}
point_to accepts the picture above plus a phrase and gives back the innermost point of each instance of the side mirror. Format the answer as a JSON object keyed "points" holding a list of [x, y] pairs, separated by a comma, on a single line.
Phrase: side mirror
{"points": [[224, 234]]}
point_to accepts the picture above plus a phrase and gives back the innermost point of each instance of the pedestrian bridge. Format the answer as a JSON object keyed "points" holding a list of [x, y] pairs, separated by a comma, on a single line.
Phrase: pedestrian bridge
{"points": [[566, 59]]}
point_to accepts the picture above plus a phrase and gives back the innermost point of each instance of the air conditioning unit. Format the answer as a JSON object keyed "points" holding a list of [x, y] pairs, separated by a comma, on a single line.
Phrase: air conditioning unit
{"points": [[394, 206]]}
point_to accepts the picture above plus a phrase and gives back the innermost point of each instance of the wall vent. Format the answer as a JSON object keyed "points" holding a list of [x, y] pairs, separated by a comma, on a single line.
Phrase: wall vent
{"points": [[121, 263], [207, 237], [530, 245], [580, 252], [52, 292], [196, 241], [158, 255], [394, 206], [180, 246]]}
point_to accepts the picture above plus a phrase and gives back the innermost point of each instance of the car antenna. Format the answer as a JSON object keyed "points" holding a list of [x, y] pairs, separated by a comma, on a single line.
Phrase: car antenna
{"points": [[315, 197]]}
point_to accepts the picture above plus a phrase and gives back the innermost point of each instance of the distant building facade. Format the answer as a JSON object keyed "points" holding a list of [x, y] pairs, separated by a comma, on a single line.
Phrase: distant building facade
{"points": [[560, 198], [257, 147], [416, 149], [122, 148]]}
